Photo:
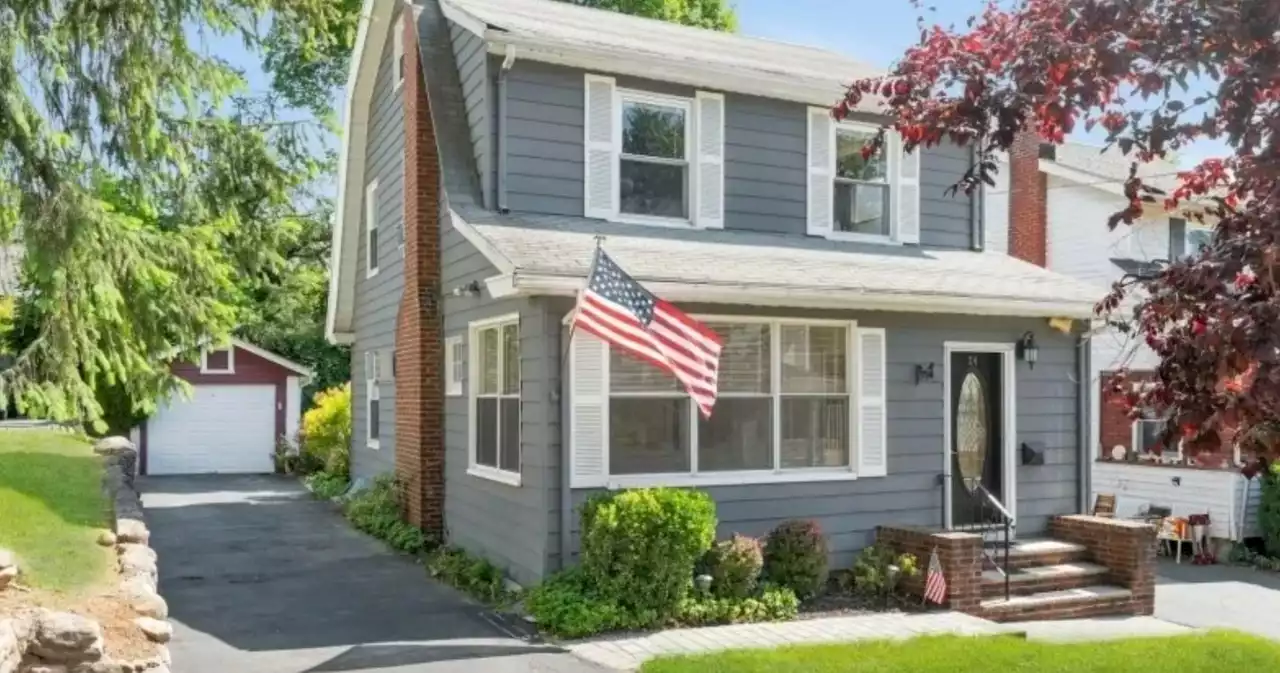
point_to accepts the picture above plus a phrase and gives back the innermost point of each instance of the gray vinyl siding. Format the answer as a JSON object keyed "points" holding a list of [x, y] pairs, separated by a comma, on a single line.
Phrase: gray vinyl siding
{"points": [[911, 495], [765, 157], [946, 221], [473, 71], [377, 299], [505, 524]]}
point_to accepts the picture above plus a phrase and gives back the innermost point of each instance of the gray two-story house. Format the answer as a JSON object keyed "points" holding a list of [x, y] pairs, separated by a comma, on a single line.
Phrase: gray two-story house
{"points": [[880, 362]]}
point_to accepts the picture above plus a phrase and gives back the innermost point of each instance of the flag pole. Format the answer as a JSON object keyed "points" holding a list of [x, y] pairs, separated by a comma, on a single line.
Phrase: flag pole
{"points": [[566, 469]]}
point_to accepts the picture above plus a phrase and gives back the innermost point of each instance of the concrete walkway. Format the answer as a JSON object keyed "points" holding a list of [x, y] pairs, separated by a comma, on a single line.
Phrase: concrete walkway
{"points": [[627, 654], [262, 578]]}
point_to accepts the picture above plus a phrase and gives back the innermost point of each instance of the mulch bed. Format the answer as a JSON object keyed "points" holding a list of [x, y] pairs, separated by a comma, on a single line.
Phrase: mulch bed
{"points": [[837, 604]]}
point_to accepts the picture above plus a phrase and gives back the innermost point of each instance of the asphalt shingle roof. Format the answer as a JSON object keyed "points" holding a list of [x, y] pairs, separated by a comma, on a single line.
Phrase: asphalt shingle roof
{"points": [[565, 247]]}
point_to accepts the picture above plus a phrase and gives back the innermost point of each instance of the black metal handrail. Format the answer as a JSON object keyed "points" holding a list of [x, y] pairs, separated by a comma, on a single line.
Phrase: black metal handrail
{"points": [[987, 514]]}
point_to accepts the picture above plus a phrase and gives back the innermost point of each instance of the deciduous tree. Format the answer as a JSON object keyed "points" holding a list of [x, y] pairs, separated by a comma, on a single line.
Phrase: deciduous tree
{"points": [[1156, 75]]}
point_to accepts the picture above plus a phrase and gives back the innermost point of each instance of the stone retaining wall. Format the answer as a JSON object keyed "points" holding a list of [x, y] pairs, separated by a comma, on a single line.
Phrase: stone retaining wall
{"points": [[45, 641]]}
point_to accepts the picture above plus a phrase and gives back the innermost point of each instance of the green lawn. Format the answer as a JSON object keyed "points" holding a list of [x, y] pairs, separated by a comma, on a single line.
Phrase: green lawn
{"points": [[1217, 652], [52, 509]]}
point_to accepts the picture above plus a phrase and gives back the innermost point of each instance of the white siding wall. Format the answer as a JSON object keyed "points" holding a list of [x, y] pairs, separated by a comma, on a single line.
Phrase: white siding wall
{"points": [[1080, 245], [995, 211], [1217, 492]]}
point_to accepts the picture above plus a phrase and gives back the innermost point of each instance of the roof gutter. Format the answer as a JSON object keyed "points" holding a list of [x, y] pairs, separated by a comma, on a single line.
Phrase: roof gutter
{"points": [[522, 284]]}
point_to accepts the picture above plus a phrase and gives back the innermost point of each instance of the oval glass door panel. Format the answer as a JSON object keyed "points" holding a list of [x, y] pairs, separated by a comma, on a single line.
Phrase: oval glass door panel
{"points": [[971, 430]]}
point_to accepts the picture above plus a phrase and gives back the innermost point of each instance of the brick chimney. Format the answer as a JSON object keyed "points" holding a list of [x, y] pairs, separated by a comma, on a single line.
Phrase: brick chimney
{"points": [[1028, 219], [419, 404]]}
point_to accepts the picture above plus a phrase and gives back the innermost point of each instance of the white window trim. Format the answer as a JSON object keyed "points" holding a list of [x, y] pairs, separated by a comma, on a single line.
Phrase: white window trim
{"points": [[1135, 430], [397, 55], [1187, 228], [778, 474], [231, 361], [452, 384], [473, 375], [372, 392], [372, 259], [892, 154], [621, 96]]}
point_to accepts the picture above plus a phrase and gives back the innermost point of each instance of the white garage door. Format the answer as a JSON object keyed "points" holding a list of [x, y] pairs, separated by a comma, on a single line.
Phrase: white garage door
{"points": [[226, 428]]}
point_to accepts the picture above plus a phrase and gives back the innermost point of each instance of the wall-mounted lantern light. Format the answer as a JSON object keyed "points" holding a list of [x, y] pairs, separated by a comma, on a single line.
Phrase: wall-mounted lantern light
{"points": [[1027, 349]]}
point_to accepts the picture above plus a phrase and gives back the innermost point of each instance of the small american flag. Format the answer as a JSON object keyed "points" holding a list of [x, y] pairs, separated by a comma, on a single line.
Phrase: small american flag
{"points": [[935, 584], [617, 309]]}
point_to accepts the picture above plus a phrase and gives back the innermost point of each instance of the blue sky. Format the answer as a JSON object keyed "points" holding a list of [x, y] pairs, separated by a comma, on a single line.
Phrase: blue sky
{"points": [[878, 37]]}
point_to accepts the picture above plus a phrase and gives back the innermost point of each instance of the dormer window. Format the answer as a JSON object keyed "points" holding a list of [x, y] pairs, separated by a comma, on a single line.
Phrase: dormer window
{"points": [[654, 175], [218, 361]]}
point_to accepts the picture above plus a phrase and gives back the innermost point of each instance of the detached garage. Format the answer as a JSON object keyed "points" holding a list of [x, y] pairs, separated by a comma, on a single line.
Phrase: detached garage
{"points": [[243, 399]]}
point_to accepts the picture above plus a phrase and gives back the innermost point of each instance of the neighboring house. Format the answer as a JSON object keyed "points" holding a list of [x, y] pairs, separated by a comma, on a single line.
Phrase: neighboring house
{"points": [[244, 400], [872, 323], [1078, 187]]}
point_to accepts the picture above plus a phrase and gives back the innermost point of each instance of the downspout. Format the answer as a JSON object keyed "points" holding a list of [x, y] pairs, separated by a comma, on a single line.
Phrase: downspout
{"points": [[977, 210], [500, 138], [1084, 427]]}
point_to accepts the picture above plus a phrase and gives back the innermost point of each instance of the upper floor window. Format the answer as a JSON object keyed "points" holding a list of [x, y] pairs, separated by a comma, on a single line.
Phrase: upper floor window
{"points": [[872, 198], [653, 158], [218, 361], [861, 184], [1195, 238], [654, 164], [371, 229], [397, 55]]}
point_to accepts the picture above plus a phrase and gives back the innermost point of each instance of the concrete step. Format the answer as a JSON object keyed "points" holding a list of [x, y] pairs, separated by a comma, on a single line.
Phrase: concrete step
{"points": [[1090, 601], [1040, 552], [1037, 579]]}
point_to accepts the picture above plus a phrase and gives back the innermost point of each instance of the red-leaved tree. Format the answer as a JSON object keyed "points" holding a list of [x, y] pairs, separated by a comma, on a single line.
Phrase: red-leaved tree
{"points": [[1156, 75]]}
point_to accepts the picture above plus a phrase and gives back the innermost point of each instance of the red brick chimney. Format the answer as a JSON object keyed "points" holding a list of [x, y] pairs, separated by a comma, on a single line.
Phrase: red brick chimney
{"points": [[1028, 220], [419, 404]]}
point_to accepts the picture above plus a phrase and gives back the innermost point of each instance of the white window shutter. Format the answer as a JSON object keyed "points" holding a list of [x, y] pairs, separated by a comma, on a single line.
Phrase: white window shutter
{"points": [[906, 197], [873, 448], [602, 128], [710, 160], [821, 170], [588, 411]]}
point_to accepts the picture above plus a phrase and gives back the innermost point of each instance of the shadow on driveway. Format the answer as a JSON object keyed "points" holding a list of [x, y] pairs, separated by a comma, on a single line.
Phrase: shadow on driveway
{"points": [[259, 576]]}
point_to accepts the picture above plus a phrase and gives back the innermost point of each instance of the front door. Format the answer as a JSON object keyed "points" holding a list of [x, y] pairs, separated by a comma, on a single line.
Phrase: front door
{"points": [[977, 440]]}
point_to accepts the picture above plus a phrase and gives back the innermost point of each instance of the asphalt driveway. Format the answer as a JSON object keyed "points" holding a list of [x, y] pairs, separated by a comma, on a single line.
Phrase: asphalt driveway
{"points": [[1219, 596], [261, 578]]}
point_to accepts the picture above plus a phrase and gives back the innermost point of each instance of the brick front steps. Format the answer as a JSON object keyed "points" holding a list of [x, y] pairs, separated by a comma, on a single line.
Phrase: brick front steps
{"points": [[1089, 567]]}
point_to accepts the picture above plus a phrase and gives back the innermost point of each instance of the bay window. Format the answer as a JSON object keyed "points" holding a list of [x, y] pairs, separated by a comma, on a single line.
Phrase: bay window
{"points": [[787, 409]]}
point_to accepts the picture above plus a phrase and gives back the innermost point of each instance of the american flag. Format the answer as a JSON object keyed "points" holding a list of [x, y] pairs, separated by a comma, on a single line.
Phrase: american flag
{"points": [[935, 584], [617, 309]]}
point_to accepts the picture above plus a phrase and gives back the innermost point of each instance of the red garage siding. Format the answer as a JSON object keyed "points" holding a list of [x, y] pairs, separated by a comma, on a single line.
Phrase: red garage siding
{"points": [[249, 369]]}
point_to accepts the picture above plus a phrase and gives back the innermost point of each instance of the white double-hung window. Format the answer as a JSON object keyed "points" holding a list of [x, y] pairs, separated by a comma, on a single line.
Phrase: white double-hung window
{"points": [[653, 158], [854, 197], [798, 401], [494, 350]]}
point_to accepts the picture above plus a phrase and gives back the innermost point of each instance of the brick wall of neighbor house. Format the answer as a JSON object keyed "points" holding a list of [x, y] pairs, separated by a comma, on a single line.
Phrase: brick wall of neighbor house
{"points": [[1115, 428], [419, 356]]}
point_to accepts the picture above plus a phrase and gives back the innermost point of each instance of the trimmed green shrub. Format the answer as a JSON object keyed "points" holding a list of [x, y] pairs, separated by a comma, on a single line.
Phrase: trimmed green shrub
{"points": [[474, 575], [734, 566], [1269, 509], [795, 557], [772, 605], [567, 605], [324, 439], [326, 486], [376, 511], [639, 547], [871, 570]]}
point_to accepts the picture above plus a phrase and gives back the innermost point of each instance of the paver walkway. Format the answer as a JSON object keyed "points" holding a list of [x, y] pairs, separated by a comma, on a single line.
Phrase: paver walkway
{"points": [[627, 654]]}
